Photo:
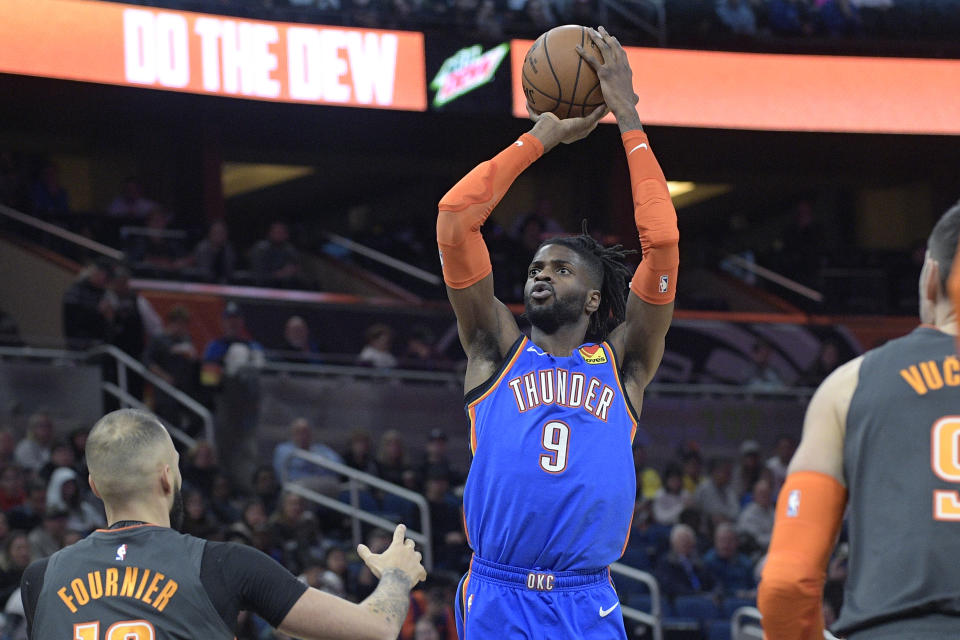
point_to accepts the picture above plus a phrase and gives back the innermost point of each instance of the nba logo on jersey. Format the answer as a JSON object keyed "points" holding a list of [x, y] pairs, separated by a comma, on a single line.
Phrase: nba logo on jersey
{"points": [[793, 503], [594, 354], [121, 552], [664, 282]]}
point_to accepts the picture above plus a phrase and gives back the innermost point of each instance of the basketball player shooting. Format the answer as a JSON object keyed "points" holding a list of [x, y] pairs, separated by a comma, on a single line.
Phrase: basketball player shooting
{"points": [[550, 495], [881, 436]]}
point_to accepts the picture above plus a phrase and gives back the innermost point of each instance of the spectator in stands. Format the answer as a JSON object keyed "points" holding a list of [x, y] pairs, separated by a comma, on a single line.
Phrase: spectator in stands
{"points": [[29, 514], [376, 351], [827, 360], [837, 18], [391, 458], [266, 489], [63, 494], [680, 572], [8, 444], [12, 493], [61, 455], [87, 314], [648, 480], [446, 522], [747, 471], [732, 570], [296, 529], [756, 519], [777, 464], [214, 258], [298, 346], [34, 450], [48, 538], [419, 351], [158, 249], [763, 374], [692, 469], [173, 356], [274, 260], [200, 468], [672, 498], [48, 196], [332, 575], [197, 519], [16, 558], [789, 17], [223, 504], [131, 315], [737, 17], [130, 202], [231, 364], [436, 461], [430, 616], [293, 469], [715, 496], [254, 516], [359, 455]]}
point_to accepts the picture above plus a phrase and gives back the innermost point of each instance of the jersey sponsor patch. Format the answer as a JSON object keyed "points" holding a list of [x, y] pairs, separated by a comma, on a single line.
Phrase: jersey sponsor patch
{"points": [[793, 503], [593, 354], [121, 553]]}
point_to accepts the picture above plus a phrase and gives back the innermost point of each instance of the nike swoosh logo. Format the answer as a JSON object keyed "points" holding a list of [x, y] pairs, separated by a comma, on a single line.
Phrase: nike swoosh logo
{"points": [[605, 612], [519, 143], [642, 145]]}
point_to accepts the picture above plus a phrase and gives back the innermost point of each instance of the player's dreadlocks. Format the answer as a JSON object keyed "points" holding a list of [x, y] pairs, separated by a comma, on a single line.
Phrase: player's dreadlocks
{"points": [[608, 264]]}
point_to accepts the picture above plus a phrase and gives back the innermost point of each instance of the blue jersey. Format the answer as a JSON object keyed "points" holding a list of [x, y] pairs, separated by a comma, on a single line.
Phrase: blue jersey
{"points": [[552, 484]]}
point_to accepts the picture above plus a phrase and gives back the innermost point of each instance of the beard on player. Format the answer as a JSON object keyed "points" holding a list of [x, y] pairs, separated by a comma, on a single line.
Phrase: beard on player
{"points": [[549, 314]]}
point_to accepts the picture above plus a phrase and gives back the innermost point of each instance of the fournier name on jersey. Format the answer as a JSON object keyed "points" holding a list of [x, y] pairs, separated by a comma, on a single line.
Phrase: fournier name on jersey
{"points": [[563, 388]]}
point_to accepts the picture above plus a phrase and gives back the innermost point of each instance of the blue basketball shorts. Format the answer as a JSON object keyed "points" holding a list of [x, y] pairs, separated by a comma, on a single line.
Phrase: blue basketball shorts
{"points": [[500, 601]]}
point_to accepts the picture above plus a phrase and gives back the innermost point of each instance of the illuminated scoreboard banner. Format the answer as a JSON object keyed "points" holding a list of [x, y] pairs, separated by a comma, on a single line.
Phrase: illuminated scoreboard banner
{"points": [[215, 55], [786, 92]]}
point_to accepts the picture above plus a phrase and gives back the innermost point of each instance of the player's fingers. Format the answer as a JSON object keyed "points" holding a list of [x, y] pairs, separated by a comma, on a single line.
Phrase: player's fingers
{"points": [[590, 60], [599, 41], [399, 533], [423, 575], [364, 552], [598, 113], [533, 114], [409, 543]]}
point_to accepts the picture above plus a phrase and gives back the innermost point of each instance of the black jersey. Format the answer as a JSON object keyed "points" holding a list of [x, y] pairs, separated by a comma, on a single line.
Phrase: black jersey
{"points": [[902, 469]]}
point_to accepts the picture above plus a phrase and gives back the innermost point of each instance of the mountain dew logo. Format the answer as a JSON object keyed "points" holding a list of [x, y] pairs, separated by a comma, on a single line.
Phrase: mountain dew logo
{"points": [[466, 70]]}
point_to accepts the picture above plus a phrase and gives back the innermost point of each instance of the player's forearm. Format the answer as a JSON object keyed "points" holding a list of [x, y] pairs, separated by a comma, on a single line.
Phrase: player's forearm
{"points": [[627, 117], [389, 601], [464, 209], [656, 219]]}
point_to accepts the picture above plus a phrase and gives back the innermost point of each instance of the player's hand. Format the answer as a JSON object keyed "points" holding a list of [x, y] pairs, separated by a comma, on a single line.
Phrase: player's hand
{"points": [[551, 130], [399, 555], [616, 78]]}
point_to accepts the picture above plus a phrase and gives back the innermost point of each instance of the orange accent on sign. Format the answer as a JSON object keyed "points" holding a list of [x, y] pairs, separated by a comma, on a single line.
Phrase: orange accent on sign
{"points": [[214, 55], [786, 92]]}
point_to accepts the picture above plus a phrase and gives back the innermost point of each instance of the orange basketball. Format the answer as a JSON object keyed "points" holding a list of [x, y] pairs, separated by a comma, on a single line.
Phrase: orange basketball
{"points": [[556, 79]]}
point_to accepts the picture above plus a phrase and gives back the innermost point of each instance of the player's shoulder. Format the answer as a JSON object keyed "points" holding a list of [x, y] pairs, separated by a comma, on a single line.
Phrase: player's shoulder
{"points": [[843, 376], [836, 391]]}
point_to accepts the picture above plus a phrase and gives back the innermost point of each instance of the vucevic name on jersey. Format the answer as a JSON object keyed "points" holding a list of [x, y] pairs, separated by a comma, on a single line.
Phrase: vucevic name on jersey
{"points": [[552, 483]]}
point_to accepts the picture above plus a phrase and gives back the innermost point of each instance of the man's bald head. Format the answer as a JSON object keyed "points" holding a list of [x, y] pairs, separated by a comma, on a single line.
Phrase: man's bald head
{"points": [[125, 451]]}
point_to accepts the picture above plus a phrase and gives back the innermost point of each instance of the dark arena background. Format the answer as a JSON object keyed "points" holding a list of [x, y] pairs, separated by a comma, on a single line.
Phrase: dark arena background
{"points": [[224, 211]]}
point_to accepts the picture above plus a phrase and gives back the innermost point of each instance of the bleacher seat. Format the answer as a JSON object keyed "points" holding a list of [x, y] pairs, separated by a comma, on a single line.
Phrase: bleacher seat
{"points": [[700, 608], [644, 602], [732, 604], [718, 630]]}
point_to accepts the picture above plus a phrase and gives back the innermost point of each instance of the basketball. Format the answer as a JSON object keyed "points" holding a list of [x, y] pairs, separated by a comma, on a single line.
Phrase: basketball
{"points": [[556, 79]]}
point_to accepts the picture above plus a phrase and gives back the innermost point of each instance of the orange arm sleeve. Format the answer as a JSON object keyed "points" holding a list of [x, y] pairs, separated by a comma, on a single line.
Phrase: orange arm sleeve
{"points": [[809, 513], [656, 278], [464, 209]]}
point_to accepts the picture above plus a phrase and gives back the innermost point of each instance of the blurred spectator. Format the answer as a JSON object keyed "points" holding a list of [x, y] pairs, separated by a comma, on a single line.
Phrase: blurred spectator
{"points": [[29, 514], [5, 528], [16, 558], [274, 260], [446, 523], [764, 375], [295, 528], [732, 570], [430, 616], [8, 444], [130, 202], [391, 457], [173, 356], [12, 492], [293, 469], [87, 314], [200, 468], [34, 450], [254, 516], [737, 16], [78, 440], [134, 318], [359, 455], [157, 246], [648, 480], [232, 363], [672, 498], [827, 360], [47, 194], [839, 18], [63, 495], [223, 505], [47, 539], [376, 351], [298, 346], [436, 460], [715, 496], [214, 258], [756, 519], [61, 455], [789, 17], [692, 469], [331, 576], [266, 489], [778, 463], [680, 572], [747, 471], [197, 519], [419, 352]]}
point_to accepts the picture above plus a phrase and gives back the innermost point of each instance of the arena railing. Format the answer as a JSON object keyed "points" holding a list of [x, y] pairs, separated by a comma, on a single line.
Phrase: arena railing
{"points": [[654, 617], [63, 234], [124, 363], [746, 625], [356, 480]]}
